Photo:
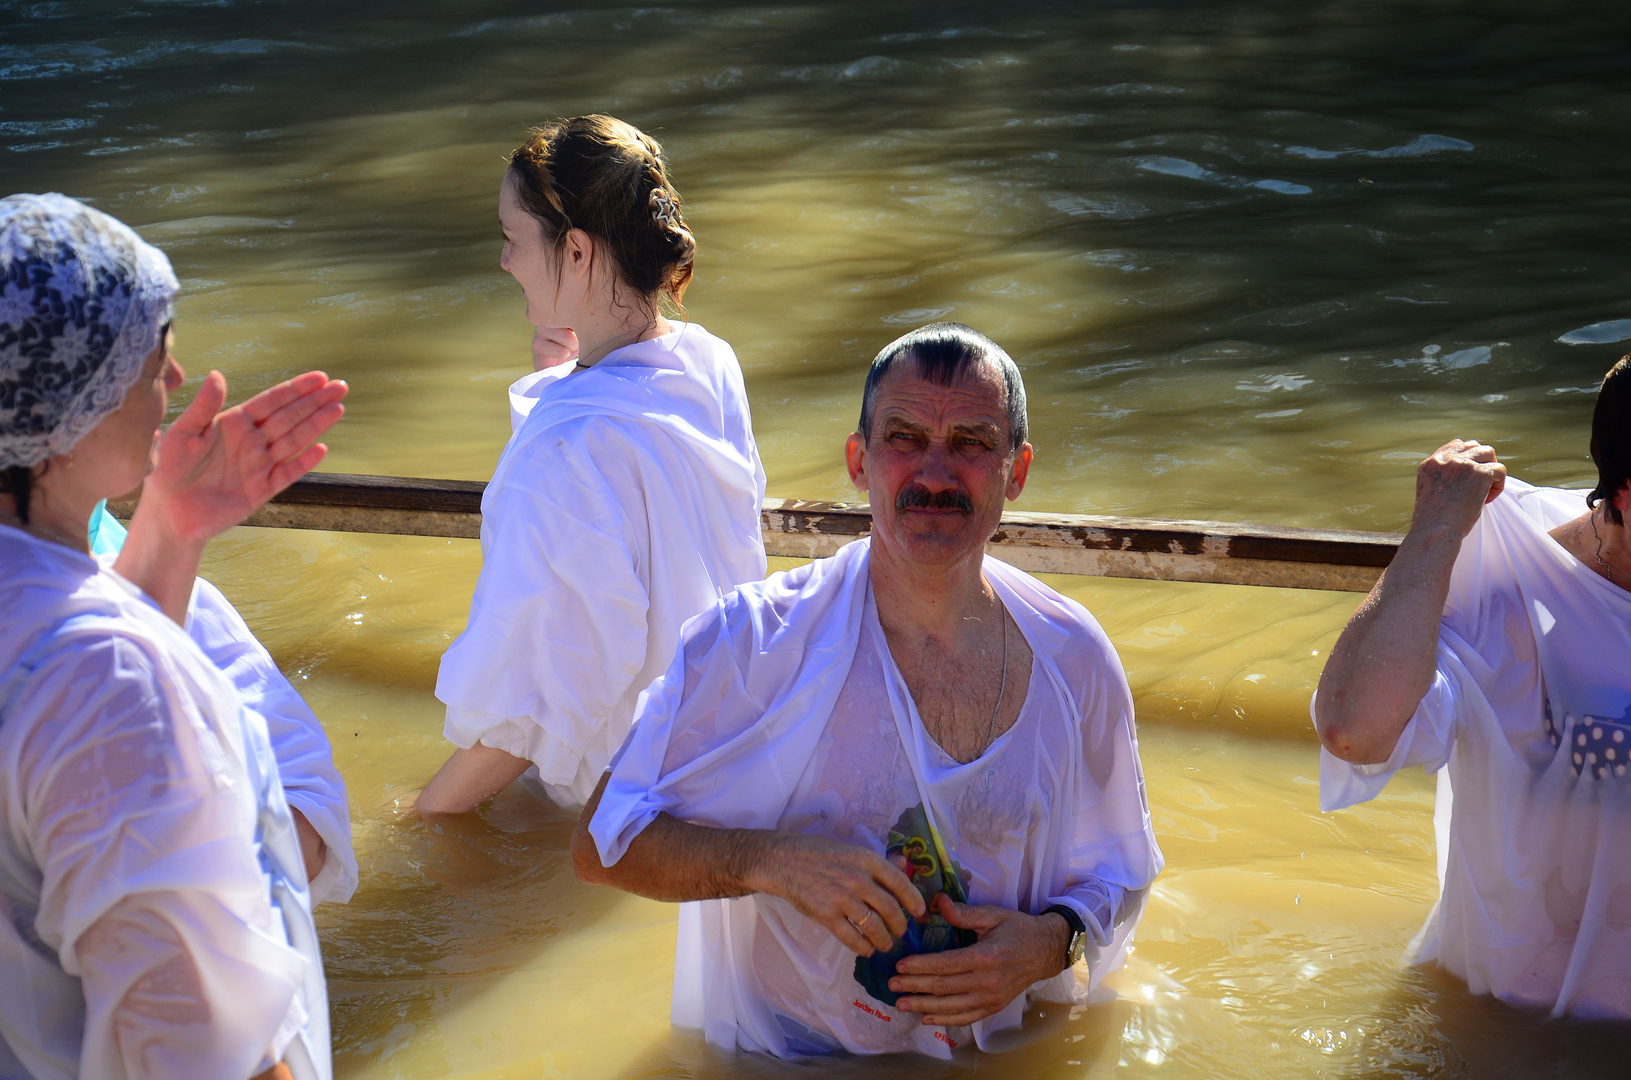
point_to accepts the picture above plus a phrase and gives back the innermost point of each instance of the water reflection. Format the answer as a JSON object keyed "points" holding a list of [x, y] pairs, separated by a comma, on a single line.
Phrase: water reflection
{"points": [[1255, 259]]}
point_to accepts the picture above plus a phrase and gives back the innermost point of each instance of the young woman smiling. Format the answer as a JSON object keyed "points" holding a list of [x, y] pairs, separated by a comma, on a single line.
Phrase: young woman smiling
{"points": [[628, 497]]}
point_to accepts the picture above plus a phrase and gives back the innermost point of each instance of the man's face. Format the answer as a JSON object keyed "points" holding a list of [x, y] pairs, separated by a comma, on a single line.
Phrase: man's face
{"points": [[939, 465]]}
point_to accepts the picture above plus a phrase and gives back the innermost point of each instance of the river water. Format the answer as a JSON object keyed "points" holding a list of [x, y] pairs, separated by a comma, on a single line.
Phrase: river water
{"points": [[1255, 260]]}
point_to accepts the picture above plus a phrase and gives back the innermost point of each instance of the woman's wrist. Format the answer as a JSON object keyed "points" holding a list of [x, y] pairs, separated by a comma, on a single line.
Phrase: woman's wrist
{"points": [[160, 560]]}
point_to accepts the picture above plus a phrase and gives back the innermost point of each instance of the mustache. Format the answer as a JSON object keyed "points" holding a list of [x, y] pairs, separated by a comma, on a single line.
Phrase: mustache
{"points": [[918, 497]]}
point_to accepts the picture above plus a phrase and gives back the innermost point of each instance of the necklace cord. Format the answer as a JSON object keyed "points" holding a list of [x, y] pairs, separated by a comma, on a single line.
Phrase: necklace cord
{"points": [[1002, 686]]}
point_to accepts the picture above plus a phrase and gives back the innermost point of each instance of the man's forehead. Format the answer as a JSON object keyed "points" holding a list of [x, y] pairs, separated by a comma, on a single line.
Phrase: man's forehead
{"points": [[978, 393]]}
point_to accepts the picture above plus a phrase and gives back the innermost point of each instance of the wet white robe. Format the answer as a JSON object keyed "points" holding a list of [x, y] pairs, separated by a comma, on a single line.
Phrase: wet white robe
{"points": [[784, 710], [626, 502], [154, 915], [1530, 709], [311, 783]]}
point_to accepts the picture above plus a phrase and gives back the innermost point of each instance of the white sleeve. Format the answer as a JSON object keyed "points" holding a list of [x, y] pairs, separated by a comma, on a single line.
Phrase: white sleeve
{"points": [[305, 759], [1112, 854], [151, 890], [558, 626], [1425, 740], [1114, 857]]}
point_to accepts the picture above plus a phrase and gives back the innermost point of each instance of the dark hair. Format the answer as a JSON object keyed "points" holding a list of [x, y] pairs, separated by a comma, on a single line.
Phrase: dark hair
{"points": [[608, 178], [944, 353], [1611, 438], [18, 482]]}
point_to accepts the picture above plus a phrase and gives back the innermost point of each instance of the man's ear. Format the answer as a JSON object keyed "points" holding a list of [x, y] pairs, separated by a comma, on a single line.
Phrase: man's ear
{"points": [[1022, 470], [855, 460]]}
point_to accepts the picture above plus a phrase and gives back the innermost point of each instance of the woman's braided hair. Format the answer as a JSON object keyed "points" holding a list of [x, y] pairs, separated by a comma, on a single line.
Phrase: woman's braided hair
{"points": [[608, 178]]}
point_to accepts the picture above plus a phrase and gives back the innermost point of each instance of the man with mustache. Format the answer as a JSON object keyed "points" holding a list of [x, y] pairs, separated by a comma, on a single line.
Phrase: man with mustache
{"points": [[900, 787]]}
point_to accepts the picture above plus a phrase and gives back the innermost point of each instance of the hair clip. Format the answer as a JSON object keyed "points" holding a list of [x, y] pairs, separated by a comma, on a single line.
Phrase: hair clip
{"points": [[664, 210]]}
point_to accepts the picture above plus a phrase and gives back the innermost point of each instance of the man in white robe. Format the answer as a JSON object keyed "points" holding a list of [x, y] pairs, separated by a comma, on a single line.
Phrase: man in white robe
{"points": [[907, 743], [1496, 651]]}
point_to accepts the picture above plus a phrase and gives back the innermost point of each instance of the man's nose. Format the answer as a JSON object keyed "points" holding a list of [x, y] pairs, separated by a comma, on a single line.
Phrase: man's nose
{"points": [[934, 470]]}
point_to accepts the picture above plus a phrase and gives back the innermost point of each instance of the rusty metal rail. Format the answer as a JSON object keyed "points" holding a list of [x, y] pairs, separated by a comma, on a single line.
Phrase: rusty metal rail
{"points": [[1082, 544]]}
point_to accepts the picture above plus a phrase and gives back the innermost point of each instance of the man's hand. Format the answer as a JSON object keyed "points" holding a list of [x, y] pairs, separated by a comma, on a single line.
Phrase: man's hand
{"points": [[216, 467], [960, 986], [1453, 485], [553, 346], [856, 894]]}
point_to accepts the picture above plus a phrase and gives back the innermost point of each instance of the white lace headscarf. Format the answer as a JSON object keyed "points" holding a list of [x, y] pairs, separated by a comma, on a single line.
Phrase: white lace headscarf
{"points": [[83, 300]]}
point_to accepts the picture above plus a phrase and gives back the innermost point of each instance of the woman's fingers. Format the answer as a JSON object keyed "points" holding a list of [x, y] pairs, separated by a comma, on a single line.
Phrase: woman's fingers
{"points": [[552, 346], [263, 405], [197, 417], [1499, 485], [306, 431], [289, 471], [296, 410]]}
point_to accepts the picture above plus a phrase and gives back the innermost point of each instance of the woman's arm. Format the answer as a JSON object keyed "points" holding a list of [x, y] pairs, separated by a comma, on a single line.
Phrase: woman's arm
{"points": [[468, 779], [313, 787], [1383, 663]]}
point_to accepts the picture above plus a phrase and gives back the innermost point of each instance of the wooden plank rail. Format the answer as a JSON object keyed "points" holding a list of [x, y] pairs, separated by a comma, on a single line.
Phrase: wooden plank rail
{"points": [[1082, 544]]}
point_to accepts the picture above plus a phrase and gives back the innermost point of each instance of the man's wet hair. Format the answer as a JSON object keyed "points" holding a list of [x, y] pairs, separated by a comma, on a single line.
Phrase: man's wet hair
{"points": [[1611, 438], [944, 353]]}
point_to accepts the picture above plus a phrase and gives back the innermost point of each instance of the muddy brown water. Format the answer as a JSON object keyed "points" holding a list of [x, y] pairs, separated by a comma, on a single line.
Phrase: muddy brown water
{"points": [[1255, 259]]}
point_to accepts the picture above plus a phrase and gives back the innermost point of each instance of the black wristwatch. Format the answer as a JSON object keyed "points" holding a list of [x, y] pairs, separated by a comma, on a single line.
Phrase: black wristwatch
{"points": [[1078, 933]]}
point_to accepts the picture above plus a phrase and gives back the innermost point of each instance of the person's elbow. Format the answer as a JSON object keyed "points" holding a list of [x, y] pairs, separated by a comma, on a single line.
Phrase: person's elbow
{"points": [[586, 855], [585, 852], [1350, 735]]}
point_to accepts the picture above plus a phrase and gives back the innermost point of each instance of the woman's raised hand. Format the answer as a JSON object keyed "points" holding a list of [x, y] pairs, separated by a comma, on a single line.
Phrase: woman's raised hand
{"points": [[553, 346], [217, 466]]}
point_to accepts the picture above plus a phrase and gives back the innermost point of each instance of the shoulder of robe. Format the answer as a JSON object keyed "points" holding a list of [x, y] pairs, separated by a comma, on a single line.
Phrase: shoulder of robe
{"points": [[1484, 582], [1065, 632], [586, 454], [762, 613], [99, 686]]}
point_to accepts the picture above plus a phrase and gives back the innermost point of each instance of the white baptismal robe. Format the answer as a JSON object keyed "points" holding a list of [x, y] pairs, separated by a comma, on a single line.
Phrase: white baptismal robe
{"points": [[626, 502], [784, 710], [311, 783], [1530, 708], [154, 915], [305, 760]]}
